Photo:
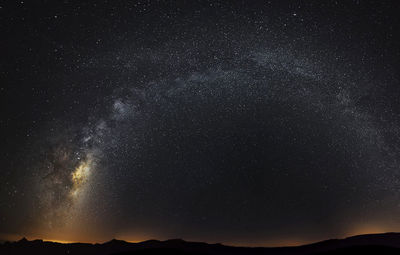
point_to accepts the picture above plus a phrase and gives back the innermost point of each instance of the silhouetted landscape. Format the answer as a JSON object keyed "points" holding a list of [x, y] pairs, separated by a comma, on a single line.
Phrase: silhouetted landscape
{"points": [[388, 243]]}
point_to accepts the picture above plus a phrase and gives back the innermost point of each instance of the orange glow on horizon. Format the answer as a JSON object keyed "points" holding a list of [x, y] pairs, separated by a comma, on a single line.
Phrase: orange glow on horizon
{"points": [[357, 230], [58, 241], [369, 229]]}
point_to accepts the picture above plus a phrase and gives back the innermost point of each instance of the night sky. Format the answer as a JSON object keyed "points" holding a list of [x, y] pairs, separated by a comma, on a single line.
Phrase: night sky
{"points": [[241, 122]]}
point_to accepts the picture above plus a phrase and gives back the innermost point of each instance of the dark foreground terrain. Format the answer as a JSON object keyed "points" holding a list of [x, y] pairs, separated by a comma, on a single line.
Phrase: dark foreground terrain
{"points": [[388, 243]]}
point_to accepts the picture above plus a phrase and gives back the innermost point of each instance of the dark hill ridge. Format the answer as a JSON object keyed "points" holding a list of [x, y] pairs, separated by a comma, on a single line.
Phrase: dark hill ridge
{"points": [[388, 243]]}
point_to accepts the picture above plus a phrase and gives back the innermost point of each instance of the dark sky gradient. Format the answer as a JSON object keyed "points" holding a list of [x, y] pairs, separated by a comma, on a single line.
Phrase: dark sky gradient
{"points": [[246, 122]]}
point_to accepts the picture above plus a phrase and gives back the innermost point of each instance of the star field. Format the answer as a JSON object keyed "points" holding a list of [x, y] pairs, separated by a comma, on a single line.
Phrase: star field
{"points": [[259, 123]]}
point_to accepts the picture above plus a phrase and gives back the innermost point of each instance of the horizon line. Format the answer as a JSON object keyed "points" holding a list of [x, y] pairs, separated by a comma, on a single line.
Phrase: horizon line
{"points": [[190, 241]]}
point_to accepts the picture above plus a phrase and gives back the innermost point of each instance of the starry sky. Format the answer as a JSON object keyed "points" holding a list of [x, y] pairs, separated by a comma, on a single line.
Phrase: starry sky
{"points": [[241, 122]]}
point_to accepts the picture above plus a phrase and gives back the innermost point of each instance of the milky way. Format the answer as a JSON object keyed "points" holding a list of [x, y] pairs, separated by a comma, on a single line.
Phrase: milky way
{"points": [[262, 129]]}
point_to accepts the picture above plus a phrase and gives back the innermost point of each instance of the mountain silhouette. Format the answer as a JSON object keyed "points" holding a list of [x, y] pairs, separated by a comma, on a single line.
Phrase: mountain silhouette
{"points": [[387, 243]]}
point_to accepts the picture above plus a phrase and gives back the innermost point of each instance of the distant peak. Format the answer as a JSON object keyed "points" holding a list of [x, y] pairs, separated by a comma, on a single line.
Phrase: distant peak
{"points": [[23, 240], [115, 241], [151, 241]]}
